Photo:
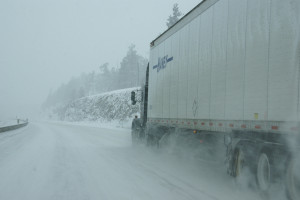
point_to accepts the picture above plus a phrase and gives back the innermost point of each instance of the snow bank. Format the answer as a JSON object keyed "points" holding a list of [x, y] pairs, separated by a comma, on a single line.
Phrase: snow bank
{"points": [[114, 107], [8, 123]]}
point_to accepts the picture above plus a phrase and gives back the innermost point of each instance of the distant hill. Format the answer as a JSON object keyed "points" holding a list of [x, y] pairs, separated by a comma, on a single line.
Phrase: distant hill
{"points": [[105, 107]]}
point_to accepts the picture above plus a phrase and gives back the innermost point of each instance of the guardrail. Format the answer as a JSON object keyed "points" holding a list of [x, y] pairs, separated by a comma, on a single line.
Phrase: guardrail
{"points": [[12, 127]]}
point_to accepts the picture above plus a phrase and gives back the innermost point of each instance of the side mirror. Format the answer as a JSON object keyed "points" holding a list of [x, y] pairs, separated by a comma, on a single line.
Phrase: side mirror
{"points": [[227, 140], [133, 100]]}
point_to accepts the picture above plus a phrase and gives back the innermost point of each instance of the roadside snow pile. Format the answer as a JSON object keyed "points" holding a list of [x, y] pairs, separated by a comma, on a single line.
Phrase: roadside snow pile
{"points": [[8, 122], [105, 107]]}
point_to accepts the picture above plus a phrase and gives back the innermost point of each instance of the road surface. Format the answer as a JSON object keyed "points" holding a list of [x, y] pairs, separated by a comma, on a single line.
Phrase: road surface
{"points": [[61, 161]]}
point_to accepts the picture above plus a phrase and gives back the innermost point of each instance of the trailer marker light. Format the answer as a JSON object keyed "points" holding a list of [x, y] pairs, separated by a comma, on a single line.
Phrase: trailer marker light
{"points": [[231, 125], [202, 123], [195, 123], [220, 124], [258, 127], [211, 124], [294, 128], [274, 127], [201, 141], [243, 126]]}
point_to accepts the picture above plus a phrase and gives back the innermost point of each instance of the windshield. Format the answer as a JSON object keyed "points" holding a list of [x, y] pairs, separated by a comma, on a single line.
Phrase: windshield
{"points": [[149, 100]]}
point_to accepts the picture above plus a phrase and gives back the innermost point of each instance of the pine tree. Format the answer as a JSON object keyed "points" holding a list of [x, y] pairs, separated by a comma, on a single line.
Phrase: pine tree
{"points": [[131, 73], [132, 69], [175, 17]]}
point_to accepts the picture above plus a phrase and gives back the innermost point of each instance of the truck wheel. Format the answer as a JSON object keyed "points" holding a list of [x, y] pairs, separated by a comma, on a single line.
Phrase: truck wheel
{"points": [[239, 162], [148, 140], [263, 174], [293, 180], [133, 138], [152, 141]]}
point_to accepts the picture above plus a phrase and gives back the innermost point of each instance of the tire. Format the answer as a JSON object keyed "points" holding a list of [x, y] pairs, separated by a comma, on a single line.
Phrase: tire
{"points": [[238, 163], [293, 180], [134, 138], [263, 173], [242, 168], [152, 141], [149, 140]]}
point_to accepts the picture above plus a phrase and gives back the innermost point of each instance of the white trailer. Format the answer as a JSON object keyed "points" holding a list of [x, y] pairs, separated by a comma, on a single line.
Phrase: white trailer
{"points": [[233, 64], [232, 67]]}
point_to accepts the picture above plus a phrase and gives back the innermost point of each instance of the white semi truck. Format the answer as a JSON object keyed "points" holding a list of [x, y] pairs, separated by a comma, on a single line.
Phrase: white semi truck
{"points": [[231, 68]]}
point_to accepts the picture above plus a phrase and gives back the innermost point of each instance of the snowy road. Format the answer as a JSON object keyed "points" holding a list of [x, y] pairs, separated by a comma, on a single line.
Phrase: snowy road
{"points": [[58, 161]]}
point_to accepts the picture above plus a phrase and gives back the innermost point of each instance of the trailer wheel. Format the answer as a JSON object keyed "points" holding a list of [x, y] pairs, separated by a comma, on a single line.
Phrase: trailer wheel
{"points": [[293, 180], [263, 173], [148, 140], [134, 138], [152, 141], [239, 163]]}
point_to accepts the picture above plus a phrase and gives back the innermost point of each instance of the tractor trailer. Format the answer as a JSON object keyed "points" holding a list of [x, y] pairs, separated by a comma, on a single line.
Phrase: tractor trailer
{"points": [[230, 69]]}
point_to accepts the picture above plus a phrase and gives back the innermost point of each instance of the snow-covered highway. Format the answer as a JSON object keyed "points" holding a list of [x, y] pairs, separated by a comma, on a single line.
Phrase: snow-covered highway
{"points": [[62, 161]]}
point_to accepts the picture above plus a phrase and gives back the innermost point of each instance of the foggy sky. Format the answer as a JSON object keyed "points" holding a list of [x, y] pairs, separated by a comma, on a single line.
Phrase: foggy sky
{"points": [[43, 43]]}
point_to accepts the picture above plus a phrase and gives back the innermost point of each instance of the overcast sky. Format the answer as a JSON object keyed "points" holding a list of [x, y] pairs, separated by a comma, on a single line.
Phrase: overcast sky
{"points": [[44, 43]]}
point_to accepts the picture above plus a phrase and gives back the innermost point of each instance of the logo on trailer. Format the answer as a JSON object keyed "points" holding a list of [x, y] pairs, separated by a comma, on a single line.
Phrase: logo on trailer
{"points": [[162, 63]]}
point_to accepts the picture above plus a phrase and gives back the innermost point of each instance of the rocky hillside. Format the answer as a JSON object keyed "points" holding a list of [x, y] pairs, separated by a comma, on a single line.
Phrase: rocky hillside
{"points": [[106, 107]]}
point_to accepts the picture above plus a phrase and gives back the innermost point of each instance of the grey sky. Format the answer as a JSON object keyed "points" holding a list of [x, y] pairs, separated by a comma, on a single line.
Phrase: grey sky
{"points": [[44, 43]]}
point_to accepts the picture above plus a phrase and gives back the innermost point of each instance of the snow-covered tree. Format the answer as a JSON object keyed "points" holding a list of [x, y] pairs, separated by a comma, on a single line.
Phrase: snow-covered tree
{"points": [[104, 68], [132, 69], [131, 73], [175, 17]]}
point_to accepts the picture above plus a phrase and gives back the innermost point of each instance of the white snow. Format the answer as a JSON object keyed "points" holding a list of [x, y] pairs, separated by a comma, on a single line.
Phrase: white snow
{"points": [[64, 161], [114, 92], [110, 107], [8, 122]]}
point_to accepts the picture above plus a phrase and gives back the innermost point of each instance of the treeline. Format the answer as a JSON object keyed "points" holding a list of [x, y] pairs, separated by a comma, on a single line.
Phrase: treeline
{"points": [[131, 73]]}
